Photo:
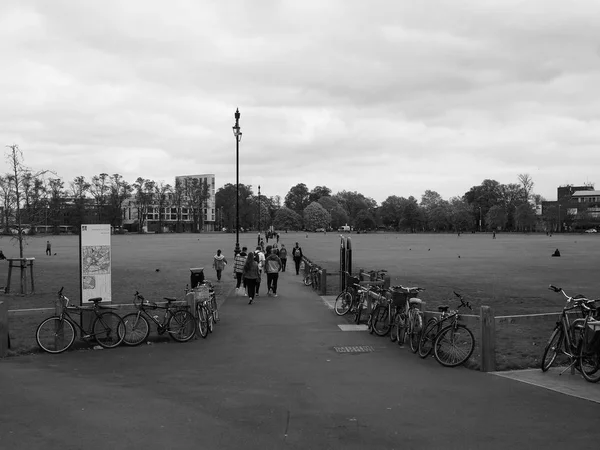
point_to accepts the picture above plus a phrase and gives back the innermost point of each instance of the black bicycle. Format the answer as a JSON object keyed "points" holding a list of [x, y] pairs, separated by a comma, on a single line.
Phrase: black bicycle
{"points": [[57, 333], [178, 322], [452, 342]]}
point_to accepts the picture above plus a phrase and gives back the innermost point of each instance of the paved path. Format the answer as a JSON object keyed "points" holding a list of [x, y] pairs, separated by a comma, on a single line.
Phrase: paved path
{"points": [[269, 378]]}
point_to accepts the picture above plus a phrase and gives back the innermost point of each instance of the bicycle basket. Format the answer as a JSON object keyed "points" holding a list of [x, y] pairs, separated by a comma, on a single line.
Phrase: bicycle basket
{"points": [[202, 293], [399, 299], [60, 302], [593, 335]]}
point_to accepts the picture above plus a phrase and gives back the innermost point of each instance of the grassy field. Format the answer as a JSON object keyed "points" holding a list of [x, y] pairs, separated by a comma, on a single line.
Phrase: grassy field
{"points": [[510, 273]]}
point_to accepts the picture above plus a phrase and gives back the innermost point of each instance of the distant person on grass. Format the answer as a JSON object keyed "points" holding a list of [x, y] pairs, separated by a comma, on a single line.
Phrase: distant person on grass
{"points": [[48, 248], [273, 267], [251, 275], [238, 269], [297, 255], [2, 255], [219, 263], [283, 257]]}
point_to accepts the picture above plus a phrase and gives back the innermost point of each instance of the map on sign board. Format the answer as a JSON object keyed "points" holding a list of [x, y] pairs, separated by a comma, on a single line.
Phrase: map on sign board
{"points": [[95, 259], [95, 262]]}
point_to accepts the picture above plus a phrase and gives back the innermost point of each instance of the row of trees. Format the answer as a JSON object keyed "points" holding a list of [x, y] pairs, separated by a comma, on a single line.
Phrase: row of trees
{"points": [[42, 198], [488, 206]]}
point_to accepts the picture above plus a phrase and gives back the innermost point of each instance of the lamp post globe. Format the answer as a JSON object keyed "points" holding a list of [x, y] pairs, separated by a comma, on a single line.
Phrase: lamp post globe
{"points": [[237, 133]]}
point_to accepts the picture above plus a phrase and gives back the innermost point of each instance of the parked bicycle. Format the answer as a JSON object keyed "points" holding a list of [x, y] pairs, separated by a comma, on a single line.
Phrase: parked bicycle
{"points": [[57, 333], [409, 323], [207, 313], [178, 322], [452, 342], [312, 277], [347, 300], [577, 339], [398, 314], [363, 298]]}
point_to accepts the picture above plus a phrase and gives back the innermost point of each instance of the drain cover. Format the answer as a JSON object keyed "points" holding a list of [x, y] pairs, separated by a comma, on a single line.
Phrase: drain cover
{"points": [[354, 349]]}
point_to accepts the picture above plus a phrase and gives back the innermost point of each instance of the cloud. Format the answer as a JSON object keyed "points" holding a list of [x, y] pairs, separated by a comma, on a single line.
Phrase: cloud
{"points": [[385, 98]]}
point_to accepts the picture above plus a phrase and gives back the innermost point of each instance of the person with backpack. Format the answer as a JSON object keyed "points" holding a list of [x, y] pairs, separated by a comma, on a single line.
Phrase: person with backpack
{"points": [[251, 275], [297, 255], [283, 257], [238, 269], [219, 263], [259, 256], [273, 267]]}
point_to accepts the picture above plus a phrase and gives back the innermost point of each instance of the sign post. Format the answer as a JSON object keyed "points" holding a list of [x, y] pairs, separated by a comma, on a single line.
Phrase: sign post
{"points": [[95, 263]]}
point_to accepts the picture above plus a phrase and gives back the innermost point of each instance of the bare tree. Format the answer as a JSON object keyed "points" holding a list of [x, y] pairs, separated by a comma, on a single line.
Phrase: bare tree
{"points": [[162, 192], [56, 202], [8, 201], [144, 192], [119, 191], [99, 188], [79, 190], [527, 184]]}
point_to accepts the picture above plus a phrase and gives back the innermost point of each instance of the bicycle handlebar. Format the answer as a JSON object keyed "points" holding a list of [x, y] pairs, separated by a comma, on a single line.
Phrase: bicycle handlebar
{"points": [[463, 304], [579, 299]]}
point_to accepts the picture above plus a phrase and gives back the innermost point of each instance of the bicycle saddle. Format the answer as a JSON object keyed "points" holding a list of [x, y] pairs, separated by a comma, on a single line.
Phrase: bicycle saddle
{"points": [[443, 309], [415, 301], [170, 299], [95, 300]]}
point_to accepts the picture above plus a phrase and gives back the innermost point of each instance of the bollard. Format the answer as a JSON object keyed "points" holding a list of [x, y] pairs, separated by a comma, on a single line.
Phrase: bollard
{"points": [[488, 340], [4, 339], [323, 282]]}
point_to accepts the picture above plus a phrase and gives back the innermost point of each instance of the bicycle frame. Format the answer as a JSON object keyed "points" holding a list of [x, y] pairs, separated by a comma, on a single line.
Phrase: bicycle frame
{"points": [[64, 315]]}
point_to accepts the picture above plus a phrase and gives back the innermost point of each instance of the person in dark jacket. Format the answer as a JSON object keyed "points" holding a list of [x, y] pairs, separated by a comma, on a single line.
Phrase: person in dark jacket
{"points": [[238, 268], [272, 267], [283, 257], [251, 275], [297, 255]]}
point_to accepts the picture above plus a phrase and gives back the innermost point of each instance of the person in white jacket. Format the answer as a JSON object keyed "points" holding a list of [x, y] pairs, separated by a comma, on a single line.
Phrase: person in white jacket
{"points": [[219, 263], [260, 258]]}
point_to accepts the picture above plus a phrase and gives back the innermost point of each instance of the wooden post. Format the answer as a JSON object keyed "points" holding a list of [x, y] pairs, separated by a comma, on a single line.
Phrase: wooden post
{"points": [[4, 339], [191, 299], [31, 274], [323, 282], [488, 340], [10, 266], [387, 282]]}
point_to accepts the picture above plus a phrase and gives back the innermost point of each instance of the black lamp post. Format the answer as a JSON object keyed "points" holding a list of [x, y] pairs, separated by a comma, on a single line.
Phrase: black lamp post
{"points": [[238, 137], [259, 209]]}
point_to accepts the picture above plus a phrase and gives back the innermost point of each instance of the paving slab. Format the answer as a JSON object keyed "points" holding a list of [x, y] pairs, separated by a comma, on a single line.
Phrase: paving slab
{"points": [[566, 383]]}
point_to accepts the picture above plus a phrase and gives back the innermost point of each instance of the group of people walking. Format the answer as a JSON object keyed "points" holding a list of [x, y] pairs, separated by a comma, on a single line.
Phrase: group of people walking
{"points": [[249, 265]]}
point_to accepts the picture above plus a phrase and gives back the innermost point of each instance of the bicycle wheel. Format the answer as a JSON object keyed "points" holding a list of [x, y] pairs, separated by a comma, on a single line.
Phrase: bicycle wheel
{"points": [[590, 367], [108, 329], [307, 280], [402, 328], [182, 325], [210, 319], [358, 311], [427, 337], [202, 320], [416, 328], [137, 329], [394, 328], [55, 335], [381, 322], [342, 303], [453, 345], [552, 349]]}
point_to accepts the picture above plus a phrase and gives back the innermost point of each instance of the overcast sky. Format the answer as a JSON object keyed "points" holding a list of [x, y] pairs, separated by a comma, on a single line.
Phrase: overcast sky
{"points": [[380, 97]]}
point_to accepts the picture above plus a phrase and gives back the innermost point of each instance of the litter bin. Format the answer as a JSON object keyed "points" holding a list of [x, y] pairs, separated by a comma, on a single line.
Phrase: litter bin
{"points": [[197, 276]]}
